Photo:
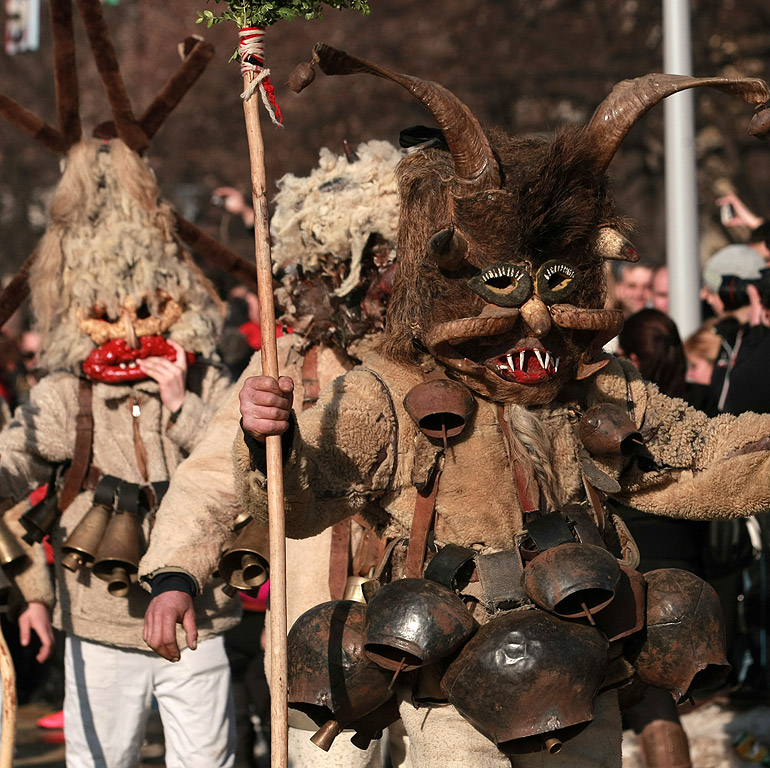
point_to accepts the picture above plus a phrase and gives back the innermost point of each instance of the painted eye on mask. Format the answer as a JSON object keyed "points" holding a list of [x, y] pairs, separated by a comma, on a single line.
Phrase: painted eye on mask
{"points": [[556, 281], [507, 285]]}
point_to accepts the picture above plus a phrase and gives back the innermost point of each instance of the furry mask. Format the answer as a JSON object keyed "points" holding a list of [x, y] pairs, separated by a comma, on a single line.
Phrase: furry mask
{"points": [[502, 239], [110, 270], [335, 233]]}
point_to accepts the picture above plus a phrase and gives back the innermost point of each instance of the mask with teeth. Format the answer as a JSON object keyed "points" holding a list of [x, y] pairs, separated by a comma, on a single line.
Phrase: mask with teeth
{"points": [[503, 239], [111, 283]]}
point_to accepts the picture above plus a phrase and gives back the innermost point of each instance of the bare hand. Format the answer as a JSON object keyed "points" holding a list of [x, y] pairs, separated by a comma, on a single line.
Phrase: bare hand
{"points": [[165, 611], [35, 619], [234, 202], [171, 376], [757, 312], [743, 217], [265, 405]]}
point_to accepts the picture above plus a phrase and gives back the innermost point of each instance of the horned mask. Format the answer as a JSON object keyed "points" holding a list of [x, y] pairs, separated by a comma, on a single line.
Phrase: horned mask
{"points": [[502, 239]]}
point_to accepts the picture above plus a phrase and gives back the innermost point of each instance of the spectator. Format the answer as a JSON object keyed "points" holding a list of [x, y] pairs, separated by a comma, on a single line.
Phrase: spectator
{"points": [[732, 311], [651, 341], [634, 287], [737, 214], [659, 288], [702, 350]]}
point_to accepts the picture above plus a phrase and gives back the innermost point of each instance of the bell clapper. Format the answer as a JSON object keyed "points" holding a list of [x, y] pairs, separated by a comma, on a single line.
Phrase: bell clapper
{"points": [[397, 672], [590, 618]]}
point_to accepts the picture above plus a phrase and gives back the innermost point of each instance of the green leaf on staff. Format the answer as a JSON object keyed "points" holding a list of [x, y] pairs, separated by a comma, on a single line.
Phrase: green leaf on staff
{"points": [[263, 13]]}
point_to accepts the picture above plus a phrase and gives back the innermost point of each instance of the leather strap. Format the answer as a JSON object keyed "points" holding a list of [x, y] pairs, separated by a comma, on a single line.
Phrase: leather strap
{"points": [[129, 497], [339, 559], [311, 386], [84, 436], [139, 448], [422, 524], [500, 578], [106, 489], [445, 566], [549, 531]]}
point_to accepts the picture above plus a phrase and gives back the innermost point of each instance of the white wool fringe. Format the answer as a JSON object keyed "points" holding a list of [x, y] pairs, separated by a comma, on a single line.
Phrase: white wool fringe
{"points": [[326, 218], [532, 445], [110, 237]]}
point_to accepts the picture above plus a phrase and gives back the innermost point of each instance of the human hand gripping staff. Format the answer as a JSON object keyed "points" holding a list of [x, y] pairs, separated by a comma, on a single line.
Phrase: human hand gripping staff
{"points": [[253, 17]]}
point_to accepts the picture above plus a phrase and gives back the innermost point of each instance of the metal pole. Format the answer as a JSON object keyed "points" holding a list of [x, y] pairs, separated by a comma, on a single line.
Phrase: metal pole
{"points": [[682, 242]]}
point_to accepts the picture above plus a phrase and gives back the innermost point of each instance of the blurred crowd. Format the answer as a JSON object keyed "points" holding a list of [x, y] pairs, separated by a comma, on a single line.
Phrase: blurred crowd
{"points": [[720, 368]]}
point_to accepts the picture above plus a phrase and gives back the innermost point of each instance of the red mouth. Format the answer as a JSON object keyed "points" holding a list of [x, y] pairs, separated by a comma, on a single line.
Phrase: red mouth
{"points": [[525, 366], [115, 361]]}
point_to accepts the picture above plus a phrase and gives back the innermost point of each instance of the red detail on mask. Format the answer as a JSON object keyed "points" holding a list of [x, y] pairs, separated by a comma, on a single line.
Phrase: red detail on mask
{"points": [[104, 363]]}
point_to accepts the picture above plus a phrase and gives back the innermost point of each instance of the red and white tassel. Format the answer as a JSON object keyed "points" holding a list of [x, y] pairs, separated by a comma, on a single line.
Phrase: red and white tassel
{"points": [[251, 48]]}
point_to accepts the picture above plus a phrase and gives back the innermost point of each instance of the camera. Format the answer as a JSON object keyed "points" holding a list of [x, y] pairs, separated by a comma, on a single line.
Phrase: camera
{"points": [[726, 213], [732, 290]]}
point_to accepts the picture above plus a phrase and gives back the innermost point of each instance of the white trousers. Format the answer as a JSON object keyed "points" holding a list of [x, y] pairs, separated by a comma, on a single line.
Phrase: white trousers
{"points": [[439, 737], [108, 699]]}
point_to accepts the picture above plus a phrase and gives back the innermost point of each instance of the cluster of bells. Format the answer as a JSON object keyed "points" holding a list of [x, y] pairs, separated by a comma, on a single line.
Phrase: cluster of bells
{"points": [[529, 677], [107, 541]]}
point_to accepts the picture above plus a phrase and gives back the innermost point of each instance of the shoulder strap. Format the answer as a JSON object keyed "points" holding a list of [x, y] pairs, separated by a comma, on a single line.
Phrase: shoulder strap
{"points": [[81, 459]]}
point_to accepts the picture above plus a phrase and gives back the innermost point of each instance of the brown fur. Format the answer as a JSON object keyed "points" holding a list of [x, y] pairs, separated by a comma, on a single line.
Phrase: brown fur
{"points": [[551, 205]]}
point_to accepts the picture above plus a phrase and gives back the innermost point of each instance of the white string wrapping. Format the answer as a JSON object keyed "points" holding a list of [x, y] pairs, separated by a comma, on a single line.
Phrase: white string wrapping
{"points": [[251, 48]]}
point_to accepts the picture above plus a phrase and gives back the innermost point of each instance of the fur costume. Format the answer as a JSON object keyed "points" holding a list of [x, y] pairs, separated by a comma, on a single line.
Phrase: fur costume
{"points": [[110, 270], [111, 286], [107, 210], [324, 220], [322, 226], [500, 288]]}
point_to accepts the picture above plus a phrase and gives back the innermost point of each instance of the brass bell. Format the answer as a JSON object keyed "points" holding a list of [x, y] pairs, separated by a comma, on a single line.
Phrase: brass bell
{"points": [[246, 564], [117, 558], [324, 737], [39, 520], [607, 430], [80, 548], [440, 407], [10, 548], [354, 588]]}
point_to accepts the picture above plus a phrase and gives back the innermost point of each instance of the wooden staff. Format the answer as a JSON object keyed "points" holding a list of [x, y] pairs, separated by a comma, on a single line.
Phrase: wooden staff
{"points": [[8, 674], [279, 738]]}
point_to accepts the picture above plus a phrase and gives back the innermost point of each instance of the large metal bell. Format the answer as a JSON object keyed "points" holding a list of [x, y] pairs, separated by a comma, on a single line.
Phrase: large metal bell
{"points": [[572, 580]]}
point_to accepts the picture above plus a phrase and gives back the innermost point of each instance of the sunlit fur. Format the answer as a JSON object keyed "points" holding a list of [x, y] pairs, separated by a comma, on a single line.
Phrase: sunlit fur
{"points": [[110, 237], [551, 205]]}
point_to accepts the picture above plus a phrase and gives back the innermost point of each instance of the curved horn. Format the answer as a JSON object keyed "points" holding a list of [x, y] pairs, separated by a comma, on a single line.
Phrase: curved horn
{"points": [[475, 165], [448, 249], [630, 99]]}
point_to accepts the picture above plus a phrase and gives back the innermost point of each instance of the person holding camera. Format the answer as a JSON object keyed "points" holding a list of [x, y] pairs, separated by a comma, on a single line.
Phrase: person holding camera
{"points": [[736, 284], [726, 277]]}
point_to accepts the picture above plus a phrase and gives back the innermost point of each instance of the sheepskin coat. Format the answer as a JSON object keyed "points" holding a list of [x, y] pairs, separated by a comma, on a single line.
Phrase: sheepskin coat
{"points": [[42, 433], [359, 444], [202, 490]]}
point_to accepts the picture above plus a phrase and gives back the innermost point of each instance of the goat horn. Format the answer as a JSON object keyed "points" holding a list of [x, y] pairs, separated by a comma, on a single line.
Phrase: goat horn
{"points": [[475, 165], [630, 99], [67, 98], [127, 127], [196, 54], [610, 244], [448, 248]]}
